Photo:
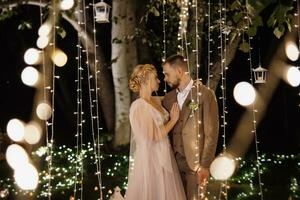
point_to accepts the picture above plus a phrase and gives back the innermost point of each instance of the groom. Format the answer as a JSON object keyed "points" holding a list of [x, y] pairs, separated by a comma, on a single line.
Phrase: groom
{"points": [[195, 135]]}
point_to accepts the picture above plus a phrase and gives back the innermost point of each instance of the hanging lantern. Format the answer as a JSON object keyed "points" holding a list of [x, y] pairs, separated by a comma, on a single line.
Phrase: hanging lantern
{"points": [[260, 75], [102, 10]]}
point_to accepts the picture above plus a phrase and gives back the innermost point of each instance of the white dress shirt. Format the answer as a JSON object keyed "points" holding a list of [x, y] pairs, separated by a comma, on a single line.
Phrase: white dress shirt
{"points": [[182, 95]]}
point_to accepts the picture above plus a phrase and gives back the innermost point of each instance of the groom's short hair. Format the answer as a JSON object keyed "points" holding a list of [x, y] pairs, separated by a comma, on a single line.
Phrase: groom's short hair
{"points": [[177, 61]]}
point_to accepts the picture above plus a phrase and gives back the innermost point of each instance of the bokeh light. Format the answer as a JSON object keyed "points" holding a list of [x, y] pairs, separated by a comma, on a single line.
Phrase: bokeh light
{"points": [[222, 168], [16, 156], [44, 111], [27, 177], [244, 93], [15, 130], [30, 76]]}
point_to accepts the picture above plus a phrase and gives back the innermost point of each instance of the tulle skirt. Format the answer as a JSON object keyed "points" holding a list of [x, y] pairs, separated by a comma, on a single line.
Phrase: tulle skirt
{"points": [[148, 180]]}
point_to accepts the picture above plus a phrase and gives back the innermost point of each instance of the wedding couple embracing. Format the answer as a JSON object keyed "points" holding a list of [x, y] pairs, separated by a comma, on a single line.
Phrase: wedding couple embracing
{"points": [[174, 137]]}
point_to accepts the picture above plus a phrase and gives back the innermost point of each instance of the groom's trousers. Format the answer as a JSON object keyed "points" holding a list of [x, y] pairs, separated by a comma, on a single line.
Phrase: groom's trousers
{"points": [[188, 177]]}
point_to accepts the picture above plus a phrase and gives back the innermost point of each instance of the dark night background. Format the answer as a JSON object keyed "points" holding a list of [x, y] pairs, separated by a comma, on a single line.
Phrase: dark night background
{"points": [[278, 132]]}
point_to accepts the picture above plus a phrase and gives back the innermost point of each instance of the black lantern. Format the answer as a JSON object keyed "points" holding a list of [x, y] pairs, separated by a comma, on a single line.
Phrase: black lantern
{"points": [[102, 10]]}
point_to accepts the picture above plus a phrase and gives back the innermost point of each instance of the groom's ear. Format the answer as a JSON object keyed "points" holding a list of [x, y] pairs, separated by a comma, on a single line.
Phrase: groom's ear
{"points": [[179, 71]]}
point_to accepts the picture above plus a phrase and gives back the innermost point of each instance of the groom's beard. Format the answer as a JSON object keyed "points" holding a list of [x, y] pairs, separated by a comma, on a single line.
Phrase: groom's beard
{"points": [[175, 84]]}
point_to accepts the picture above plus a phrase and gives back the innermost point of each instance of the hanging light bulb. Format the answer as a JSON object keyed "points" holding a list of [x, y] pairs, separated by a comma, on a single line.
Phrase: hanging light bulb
{"points": [[244, 93], [292, 51], [222, 168], [27, 177], [42, 42], [66, 4], [16, 156], [293, 76], [33, 133], [59, 58], [32, 56], [30, 76], [15, 130], [45, 29], [4, 192], [43, 111]]}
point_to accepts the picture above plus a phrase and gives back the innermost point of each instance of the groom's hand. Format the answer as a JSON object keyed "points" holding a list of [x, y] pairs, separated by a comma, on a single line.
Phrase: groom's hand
{"points": [[203, 175]]}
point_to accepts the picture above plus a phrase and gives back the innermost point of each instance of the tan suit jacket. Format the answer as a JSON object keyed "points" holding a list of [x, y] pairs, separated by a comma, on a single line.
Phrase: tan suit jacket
{"points": [[195, 134]]}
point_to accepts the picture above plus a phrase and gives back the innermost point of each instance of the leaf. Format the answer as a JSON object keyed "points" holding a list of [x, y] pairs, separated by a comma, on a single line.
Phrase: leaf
{"points": [[154, 11], [235, 5], [24, 25], [244, 47], [258, 21], [237, 17], [61, 32], [278, 33], [252, 31]]}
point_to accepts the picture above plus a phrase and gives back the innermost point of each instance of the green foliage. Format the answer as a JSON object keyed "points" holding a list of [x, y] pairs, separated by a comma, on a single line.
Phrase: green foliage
{"points": [[281, 19], [61, 32], [24, 25], [244, 47], [153, 20], [6, 13]]}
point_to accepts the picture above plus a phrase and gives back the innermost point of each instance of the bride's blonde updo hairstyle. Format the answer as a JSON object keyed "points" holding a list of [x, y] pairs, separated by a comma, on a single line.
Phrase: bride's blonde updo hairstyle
{"points": [[139, 75]]}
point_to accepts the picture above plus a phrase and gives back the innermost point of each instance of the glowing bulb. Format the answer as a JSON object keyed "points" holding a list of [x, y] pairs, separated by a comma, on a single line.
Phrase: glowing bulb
{"points": [[4, 193], [293, 76], [16, 156], [66, 4], [59, 58], [292, 51], [43, 111], [15, 130], [33, 133], [30, 76], [44, 29], [27, 177], [42, 42], [32, 56], [222, 168], [244, 93]]}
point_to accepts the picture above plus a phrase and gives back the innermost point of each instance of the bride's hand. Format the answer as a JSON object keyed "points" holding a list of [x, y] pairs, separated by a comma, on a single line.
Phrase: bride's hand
{"points": [[174, 114]]}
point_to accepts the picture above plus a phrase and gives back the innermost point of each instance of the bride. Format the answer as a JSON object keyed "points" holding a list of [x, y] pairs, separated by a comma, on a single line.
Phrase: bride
{"points": [[153, 173]]}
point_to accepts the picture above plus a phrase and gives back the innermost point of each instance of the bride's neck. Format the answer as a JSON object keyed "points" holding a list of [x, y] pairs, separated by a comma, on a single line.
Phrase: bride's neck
{"points": [[145, 94]]}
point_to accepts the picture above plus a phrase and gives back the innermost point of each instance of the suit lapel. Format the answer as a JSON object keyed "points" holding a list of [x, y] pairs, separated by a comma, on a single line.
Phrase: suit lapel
{"points": [[185, 107], [171, 100]]}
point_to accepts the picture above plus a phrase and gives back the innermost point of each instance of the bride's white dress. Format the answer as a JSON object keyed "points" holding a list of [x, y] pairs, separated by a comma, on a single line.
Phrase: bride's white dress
{"points": [[153, 173]]}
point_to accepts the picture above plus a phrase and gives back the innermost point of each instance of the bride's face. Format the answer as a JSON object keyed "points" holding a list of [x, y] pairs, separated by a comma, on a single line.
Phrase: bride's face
{"points": [[153, 82]]}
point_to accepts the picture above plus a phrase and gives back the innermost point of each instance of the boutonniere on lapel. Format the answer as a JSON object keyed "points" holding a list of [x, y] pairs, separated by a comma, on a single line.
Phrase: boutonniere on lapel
{"points": [[193, 106]]}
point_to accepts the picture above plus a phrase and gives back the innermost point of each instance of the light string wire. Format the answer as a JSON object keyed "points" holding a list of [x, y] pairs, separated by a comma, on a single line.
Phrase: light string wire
{"points": [[254, 110], [50, 143], [96, 71], [209, 64], [164, 40], [79, 113], [89, 77], [222, 47], [45, 89]]}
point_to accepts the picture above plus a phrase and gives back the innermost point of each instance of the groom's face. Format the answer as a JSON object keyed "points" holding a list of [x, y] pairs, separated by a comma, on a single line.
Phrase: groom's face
{"points": [[172, 75]]}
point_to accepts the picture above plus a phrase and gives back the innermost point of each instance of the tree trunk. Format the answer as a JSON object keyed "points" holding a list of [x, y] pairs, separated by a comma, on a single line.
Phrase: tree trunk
{"points": [[104, 83], [216, 69], [120, 72]]}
